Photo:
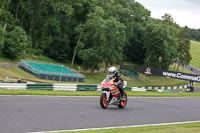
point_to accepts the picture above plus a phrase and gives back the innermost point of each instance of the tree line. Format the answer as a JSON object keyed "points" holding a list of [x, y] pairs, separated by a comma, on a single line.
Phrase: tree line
{"points": [[91, 32], [195, 34]]}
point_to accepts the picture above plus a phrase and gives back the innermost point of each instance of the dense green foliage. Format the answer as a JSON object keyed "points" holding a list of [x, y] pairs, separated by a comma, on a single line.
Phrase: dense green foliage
{"points": [[15, 43], [184, 55], [195, 34], [90, 32], [161, 42]]}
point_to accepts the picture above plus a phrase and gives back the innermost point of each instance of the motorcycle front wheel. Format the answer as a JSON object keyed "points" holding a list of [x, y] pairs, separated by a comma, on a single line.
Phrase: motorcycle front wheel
{"points": [[123, 101], [103, 102]]}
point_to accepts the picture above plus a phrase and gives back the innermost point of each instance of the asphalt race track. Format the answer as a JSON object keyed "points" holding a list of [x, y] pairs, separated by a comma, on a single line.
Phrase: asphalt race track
{"points": [[19, 114]]}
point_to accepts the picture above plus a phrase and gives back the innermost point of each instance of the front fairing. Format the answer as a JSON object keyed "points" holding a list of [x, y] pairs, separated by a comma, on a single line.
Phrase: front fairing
{"points": [[110, 87]]}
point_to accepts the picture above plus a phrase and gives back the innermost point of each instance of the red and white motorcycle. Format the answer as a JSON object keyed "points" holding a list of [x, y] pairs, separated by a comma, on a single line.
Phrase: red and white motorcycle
{"points": [[111, 95]]}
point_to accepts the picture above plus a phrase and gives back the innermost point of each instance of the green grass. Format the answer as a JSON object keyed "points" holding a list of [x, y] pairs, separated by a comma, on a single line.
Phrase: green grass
{"points": [[194, 50], [154, 81], [13, 72], [16, 72], [175, 128], [49, 92], [6, 60], [40, 58], [94, 93], [197, 85]]}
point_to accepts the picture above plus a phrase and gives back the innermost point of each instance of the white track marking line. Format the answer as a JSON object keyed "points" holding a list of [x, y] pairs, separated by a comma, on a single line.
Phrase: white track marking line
{"points": [[159, 124]]}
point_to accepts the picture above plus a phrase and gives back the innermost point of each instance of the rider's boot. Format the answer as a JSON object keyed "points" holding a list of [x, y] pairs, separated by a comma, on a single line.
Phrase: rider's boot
{"points": [[121, 92]]}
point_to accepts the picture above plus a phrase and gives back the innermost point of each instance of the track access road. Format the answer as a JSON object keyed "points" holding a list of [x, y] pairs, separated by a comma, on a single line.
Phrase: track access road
{"points": [[19, 114]]}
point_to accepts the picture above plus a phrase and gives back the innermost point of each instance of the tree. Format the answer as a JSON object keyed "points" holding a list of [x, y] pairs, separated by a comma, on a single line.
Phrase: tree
{"points": [[106, 36], [112, 41], [134, 16], [161, 43], [1, 39], [113, 30], [7, 22], [91, 59], [15, 43], [91, 32], [4, 4], [7, 19], [54, 36], [195, 34], [184, 55], [135, 51]]}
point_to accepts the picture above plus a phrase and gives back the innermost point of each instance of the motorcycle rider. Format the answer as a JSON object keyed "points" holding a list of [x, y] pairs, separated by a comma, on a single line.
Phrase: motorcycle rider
{"points": [[113, 74]]}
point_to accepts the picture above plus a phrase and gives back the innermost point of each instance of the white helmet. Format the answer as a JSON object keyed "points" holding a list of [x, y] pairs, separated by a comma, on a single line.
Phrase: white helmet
{"points": [[112, 71]]}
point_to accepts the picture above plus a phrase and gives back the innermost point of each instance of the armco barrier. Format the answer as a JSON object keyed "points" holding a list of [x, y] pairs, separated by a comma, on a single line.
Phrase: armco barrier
{"points": [[98, 87], [40, 86], [86, 87], [75, 87], [138, 89], [128, 88], [13, 85], [65, 87]]}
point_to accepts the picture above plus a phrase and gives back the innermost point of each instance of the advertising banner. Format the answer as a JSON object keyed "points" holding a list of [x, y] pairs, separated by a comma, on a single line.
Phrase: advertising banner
{"points": [[160, 72]]}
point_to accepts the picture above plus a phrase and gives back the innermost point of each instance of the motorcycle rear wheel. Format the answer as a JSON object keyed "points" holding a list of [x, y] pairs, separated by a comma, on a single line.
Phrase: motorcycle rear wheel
{"points": [[123, 101], [103, 102]]}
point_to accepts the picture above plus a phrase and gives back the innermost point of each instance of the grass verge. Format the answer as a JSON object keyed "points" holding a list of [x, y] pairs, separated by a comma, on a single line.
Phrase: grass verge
{"points": [[194, 50], [95, 93], [175, 128]]}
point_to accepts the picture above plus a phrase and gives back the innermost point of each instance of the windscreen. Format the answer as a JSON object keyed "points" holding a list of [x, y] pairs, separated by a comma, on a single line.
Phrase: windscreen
{"points": [[107, 79]]}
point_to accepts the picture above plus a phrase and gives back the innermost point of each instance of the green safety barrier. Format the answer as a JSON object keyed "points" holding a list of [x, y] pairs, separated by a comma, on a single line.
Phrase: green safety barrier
{"points": [[40, 86], [133, 75], [86, 87], [127, 88], [152, 90]]}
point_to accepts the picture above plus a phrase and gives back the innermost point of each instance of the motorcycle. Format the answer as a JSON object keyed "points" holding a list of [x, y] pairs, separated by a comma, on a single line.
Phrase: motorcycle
{"points": [[111, 95]]}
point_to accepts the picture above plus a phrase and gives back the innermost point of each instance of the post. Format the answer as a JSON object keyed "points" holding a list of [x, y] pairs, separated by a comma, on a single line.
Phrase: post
{"points": [[61, 73], [191, 87], [78, 72]]}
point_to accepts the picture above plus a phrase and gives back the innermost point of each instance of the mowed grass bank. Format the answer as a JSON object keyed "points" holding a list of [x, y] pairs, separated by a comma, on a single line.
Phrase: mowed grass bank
{"points": [[18, 73], [195, 53], [175, 128]]}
